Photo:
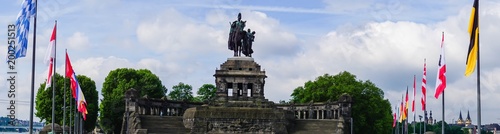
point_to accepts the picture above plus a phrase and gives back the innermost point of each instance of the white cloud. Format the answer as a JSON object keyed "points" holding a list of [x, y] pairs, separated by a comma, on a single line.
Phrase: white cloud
{"points": [[339, 6], [173, 34], [78, 41]]}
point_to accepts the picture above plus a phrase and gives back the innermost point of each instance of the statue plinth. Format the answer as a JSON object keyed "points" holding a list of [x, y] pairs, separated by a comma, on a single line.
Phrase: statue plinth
{"points": [[240, 81], [241, 58], [240, 105]]}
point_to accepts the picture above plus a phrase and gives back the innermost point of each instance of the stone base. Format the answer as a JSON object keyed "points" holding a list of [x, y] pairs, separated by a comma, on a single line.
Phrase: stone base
{"points": [[217, 120], [241, 58]]}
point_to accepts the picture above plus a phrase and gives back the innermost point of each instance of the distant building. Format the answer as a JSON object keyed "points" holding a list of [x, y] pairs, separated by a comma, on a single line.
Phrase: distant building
{"points": [[468, 121], [460, 120], [464, 123], [494, 128], [430, 120]]}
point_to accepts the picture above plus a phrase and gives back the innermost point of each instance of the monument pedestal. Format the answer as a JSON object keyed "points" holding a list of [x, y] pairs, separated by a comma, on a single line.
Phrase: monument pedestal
{"points": [[240, 105], [222, 120]]}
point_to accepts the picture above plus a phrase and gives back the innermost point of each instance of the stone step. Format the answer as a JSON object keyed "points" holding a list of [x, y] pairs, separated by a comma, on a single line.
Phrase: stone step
{"points": [[163, 124], [315, 126], [168, 131]]}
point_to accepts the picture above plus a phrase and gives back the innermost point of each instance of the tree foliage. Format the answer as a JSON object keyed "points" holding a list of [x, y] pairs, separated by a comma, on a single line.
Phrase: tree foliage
{"points": [[206, 92], [113, 91], [181, 92], [44, 101], [365, 95]]}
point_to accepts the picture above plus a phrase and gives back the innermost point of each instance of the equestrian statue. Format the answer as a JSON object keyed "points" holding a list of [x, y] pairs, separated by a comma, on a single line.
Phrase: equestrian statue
{"points": [[240, 41]]}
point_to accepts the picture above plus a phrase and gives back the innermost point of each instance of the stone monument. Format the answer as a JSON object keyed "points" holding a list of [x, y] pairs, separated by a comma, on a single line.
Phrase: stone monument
{"points": [[240, 105]]}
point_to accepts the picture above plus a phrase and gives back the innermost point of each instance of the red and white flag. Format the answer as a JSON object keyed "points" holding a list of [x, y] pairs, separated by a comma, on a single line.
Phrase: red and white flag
{"points": [[414, 92], [424, 92], [441, 75], [81, 103], [49, 58]]}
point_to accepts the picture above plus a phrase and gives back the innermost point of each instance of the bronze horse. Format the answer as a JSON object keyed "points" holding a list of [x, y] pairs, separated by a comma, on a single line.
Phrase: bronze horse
{"points": [[240, 41], [237, 39]]}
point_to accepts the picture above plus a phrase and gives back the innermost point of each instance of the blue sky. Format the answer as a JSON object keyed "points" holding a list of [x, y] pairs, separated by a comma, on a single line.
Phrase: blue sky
{"points": [[384, 41]]}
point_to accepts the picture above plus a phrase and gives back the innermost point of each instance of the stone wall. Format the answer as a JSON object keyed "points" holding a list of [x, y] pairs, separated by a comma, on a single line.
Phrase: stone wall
{"points": [[237, 120]]}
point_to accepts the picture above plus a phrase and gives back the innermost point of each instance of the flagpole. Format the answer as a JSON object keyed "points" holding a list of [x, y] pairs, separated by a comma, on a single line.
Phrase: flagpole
{"points": [[478, 80], [478, 76], [53, 84], [70, 100], [406, 125], [79, 123], [425, 96], [64, 101], [406, 111], [443, 81], [402, 112], [442, 111], [397, 120], [413, 105], [76, 123], [33, 71]]}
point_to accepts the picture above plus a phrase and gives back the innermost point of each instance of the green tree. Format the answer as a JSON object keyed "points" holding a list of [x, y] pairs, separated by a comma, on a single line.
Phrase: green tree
{"points": [[365, 95], [116, 83], [44, 101], [181, 92], [206, 92]]}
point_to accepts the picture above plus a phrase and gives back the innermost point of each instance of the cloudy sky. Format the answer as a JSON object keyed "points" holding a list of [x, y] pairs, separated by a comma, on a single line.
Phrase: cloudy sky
{"points": [[384, 41]]}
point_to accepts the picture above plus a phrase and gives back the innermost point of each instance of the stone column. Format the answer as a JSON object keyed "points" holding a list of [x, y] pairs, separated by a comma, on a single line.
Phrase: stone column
{"points": [[141, 111], [321, 115], [335, 114], [235, 90], [244, 90], [300, 114], [317, 114]]}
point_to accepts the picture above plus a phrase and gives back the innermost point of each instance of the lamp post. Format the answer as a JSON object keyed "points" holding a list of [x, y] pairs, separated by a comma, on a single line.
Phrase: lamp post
{"points": [[420, 117], [352, 123]]}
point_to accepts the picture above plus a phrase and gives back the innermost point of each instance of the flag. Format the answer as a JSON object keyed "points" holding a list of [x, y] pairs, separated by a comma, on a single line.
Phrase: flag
{"points": [[441, 76], [424, 82], [28, 10], [470, 63], [414, 91], [394, 121], [49, 58], [406, 105], [81, 103], [69, 73], [401, 110]]}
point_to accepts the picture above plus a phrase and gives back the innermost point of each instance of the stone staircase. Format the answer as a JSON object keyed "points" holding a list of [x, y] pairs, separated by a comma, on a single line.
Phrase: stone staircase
{"points": [[163, 124], [316, 127]]}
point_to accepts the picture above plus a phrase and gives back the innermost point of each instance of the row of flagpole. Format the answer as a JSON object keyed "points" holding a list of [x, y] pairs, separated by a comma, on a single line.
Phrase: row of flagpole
{"points": [[69, 73], [473, 58], [29, 9]]}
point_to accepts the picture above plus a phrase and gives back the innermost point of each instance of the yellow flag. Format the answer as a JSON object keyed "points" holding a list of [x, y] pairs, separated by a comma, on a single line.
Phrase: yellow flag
{"points": [[474, 40]]}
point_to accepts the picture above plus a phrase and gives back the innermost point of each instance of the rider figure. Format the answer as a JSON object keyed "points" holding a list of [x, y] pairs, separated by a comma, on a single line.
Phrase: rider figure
{"points": [[239, 24], [236, 28]]}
